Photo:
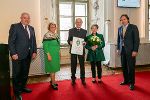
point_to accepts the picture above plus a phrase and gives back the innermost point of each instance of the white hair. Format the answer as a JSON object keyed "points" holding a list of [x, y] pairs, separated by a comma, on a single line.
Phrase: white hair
{"points": [[79, 19]]}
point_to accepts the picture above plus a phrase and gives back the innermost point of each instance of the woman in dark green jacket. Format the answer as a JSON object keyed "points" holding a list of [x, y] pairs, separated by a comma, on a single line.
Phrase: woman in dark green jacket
{"points": [[95, 44]]}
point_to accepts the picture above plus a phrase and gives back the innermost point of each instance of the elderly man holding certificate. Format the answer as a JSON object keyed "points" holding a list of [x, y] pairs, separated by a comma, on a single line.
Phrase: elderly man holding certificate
{"points": [[76, 42]]}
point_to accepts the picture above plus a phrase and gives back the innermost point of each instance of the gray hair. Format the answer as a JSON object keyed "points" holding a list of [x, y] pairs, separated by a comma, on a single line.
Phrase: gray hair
{"points": [[25, 13]]}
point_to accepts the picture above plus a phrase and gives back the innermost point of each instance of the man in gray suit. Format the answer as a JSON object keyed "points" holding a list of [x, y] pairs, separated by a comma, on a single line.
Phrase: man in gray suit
{"points": [[22, 46], [127, 46]]}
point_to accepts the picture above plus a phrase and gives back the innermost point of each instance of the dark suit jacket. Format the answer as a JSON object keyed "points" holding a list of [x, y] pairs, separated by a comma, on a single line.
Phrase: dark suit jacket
{"points": [[131, 39], [19, 42], [75, 33]]}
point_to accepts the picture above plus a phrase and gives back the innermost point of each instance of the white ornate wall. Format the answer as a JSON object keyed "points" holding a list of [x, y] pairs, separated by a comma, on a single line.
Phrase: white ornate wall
{"points": [[96, 12], [138, 16], [11, 11], [48, 11]]}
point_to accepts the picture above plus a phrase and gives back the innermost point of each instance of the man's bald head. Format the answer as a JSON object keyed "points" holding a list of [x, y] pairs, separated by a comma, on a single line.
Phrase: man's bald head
{"points": [[25, 18], [79, 22]]}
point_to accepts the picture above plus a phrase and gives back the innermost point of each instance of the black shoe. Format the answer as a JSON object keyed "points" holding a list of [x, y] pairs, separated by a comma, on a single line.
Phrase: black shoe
{"points": [[131, 86], [123, 83], [93, 81], [99, 81], [83, 82], [55, 83], [26, 90], [54, 87], [19, 92], [18, 97], [73, 82]]}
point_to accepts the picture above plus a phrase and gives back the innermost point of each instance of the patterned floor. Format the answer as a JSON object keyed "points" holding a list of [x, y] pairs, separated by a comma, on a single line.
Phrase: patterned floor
{"points": [[65, 73]]}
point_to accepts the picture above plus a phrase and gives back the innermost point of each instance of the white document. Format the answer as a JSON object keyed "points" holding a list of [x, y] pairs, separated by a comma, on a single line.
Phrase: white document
{"points": [[77, 46]]}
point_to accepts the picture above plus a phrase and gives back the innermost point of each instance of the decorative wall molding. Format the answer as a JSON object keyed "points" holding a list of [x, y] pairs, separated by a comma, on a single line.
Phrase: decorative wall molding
{"points": [[48, 13], [97, 14]]}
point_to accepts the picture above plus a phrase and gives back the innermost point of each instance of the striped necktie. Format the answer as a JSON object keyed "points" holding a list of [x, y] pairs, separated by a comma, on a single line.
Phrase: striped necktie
{"points": [[124, 30], [27, 31]]}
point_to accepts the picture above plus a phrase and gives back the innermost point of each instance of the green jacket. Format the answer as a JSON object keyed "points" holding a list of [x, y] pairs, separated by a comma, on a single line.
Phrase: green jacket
{"points": [[98, 54]]}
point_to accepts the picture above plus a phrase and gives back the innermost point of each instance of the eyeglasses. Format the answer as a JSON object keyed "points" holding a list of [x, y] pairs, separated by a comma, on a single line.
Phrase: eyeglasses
{"points": [[52, 27]]}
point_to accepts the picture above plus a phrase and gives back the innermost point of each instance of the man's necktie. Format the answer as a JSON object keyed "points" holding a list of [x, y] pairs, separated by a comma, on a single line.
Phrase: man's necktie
{"points": [[26, 28], [27, 31], [124, 30]]}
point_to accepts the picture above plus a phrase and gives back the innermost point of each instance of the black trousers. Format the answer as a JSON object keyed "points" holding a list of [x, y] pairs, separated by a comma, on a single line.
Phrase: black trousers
{"points": [[74, 66], [128, 66], [20, 71], [99, 69]]}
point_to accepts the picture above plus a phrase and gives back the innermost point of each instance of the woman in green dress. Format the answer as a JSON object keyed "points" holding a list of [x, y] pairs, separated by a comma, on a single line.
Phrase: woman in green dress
{"points": [[51, 48], [95, 44]]}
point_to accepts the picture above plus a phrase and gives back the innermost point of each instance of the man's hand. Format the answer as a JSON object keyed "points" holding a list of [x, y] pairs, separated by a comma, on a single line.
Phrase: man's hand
{"points": [[134, 54], [34, 55], [71, 42], [15, 57], [118, 52]]}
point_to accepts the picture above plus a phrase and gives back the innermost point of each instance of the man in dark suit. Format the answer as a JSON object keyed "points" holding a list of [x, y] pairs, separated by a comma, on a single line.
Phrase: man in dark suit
{"points": [[127, 46], [81, 33], [22, 46]]}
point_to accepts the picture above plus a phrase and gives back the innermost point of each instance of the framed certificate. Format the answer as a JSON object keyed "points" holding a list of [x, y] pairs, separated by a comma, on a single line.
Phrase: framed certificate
{"points": [[77, 46]]}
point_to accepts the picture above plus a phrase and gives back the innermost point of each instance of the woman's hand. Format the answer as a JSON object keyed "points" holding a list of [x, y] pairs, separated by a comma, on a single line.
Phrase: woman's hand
{"points": [[96, 46], [49, 57], [93, 48], [60, 54], [84, 43]]}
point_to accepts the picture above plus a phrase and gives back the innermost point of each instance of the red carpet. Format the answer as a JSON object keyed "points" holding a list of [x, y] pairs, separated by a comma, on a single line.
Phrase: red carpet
{"points": [[108, 90]]}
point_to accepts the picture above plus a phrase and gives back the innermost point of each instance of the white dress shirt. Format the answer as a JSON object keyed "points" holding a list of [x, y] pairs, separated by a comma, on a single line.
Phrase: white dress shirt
{"points": [[27, 30]]}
